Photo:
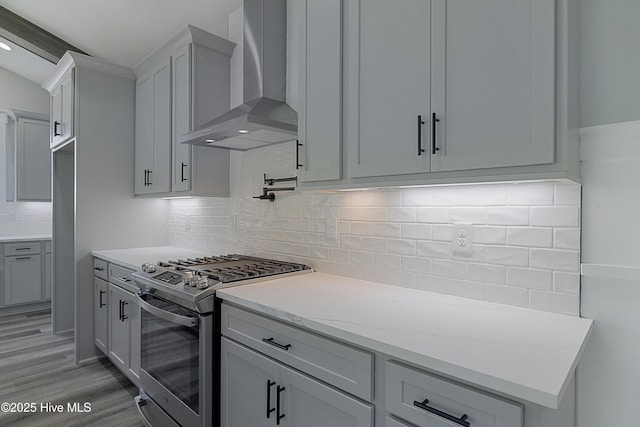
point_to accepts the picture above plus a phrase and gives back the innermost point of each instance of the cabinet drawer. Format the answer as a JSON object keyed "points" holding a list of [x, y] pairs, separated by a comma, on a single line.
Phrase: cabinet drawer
{"points": [[48, 247], [340, 365], [408, 389], [26, 248], [100, 268], [390, 422], [122, 277]]}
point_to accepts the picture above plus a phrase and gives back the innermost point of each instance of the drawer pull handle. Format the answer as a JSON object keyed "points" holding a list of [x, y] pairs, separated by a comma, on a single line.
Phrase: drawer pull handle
{"points": [[124, 279], [22, 249], [98, 268], [22, 258], [275, 344], [269, 408], [460, 421]]}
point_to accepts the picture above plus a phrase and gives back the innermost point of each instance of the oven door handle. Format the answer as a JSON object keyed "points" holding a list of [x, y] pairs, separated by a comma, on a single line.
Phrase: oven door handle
{"points": [[166, 315]]}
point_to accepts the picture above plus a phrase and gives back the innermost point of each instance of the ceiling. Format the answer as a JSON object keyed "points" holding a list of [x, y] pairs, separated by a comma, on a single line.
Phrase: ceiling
{"points": [[121, 31], [24, 63]]}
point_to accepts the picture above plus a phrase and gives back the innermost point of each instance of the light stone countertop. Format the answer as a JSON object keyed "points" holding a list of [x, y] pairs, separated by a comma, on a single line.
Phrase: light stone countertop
{"points": [[24, 238], [527, 354], [133, 258]]}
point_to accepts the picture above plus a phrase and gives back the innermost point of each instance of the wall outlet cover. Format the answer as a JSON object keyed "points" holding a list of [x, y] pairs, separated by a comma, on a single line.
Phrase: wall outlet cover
{"points": [[462, 238]]}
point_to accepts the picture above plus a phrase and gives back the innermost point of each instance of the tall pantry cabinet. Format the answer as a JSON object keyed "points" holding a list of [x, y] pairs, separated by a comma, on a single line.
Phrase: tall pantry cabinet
{"points": [[181, 85], [93, 204]]}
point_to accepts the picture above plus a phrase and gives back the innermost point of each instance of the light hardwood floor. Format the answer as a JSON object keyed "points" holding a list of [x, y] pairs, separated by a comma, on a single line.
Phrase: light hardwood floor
{"points": [[38, 367]]}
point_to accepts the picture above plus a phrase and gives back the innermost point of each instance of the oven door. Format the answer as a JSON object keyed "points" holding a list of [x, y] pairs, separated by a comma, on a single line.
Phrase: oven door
{"points": [[176, 360]]}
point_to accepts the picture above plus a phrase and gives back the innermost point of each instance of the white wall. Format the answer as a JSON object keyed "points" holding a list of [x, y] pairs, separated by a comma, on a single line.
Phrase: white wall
{"points": [[608, 374], [25, 217]]}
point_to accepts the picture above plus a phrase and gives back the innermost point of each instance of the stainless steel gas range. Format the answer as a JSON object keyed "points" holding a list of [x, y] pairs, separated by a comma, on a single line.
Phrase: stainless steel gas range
{"points": [[180, 331]]}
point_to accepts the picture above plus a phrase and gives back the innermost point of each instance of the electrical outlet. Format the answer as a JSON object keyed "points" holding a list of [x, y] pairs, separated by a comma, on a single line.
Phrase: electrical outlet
{"points": [[462, 238]]}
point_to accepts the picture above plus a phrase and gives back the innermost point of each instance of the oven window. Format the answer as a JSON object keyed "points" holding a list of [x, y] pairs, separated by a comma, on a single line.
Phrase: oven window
{"points": [[170, 353]]}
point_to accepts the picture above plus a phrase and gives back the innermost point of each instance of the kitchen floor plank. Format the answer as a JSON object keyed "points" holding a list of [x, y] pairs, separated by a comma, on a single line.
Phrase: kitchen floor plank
{"points": [[36, 366]]}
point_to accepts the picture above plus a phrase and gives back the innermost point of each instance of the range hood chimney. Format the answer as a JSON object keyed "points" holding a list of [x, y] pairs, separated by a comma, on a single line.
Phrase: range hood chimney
{"points": [[264, 118]]}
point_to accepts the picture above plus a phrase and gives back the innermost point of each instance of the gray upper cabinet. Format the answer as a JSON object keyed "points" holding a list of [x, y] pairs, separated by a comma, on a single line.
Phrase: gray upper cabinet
{"points": [[448, 91], [153, 131], [493, 81], [389, 86], [28, 157], [62, 113], [320, 101], [181, 85]]}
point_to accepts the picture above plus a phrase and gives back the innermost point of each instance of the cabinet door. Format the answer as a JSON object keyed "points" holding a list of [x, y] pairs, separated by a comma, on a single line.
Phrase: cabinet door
{"points": [[389, 82], [101, 313], [134, 338], [48, 276], [248, 387], [22, 279], [320, 106], [33, 162], [119, 327], [309, 403], [182, 118], [62, 100], [493, 83], [153, 131]]}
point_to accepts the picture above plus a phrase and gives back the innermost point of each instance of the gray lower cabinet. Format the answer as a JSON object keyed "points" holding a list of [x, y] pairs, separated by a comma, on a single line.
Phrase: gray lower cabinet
{"points": [[27, 273], [23, 279], [124, 326], [258, 391], [101, 314], [116, 318]]}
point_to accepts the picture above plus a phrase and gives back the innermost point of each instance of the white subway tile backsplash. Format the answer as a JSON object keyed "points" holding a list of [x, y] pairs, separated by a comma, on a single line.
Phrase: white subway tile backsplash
{"points": [[567, 195], [530, 236], [526, 237], [566, 238], [530, 194], [556, 216], [361, 258], [486, 273], [567, 283], [401, 247], [412, 264], [529, 278], [363, 214], [442, 285], [508, 216], [452, 269], [475, 215], [507, 255], [388, 261], [508, 295], [416, 231], [552, 259], [387, 230], [361, 228], [374, 244], [554, 302], [490, 235], [433, 249], [402, 214], [433, 215]]}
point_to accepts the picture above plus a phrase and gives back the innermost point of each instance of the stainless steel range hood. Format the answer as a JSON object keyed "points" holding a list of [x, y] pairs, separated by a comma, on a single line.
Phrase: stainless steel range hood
{"points": [[264, 118]]}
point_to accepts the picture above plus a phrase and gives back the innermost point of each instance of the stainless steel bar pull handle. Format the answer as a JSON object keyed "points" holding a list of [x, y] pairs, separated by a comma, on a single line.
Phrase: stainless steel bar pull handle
{"points": [[460, 421], [298, 145], [55, 128], [101, 303]]}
